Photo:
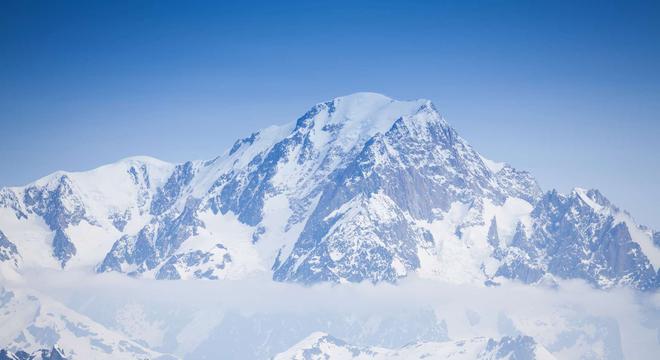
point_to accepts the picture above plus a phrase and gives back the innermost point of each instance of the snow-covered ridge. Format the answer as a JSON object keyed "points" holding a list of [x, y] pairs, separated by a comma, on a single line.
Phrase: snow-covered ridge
{"points": [[67, 207]]}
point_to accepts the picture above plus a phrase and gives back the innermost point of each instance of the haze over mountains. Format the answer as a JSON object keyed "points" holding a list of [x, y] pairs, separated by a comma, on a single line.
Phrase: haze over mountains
{"points": [[362, 188]]}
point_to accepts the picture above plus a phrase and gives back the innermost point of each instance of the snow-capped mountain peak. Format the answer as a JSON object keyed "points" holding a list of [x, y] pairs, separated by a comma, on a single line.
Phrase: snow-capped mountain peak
{"points": [[350, 120]]}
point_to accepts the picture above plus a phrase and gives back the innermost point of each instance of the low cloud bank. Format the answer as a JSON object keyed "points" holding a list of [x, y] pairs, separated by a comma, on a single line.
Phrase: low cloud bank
{"points": [[570, 320]]}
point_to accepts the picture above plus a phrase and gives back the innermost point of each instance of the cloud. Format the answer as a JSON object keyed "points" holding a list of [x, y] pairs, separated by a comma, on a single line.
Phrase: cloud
{"points": [[571, 320]]}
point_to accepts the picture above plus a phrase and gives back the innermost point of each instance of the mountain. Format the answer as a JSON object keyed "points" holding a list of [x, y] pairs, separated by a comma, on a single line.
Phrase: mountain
{"points": [[71, 219], [359, 188], [261, 336], [323, 346], [32, 322]]}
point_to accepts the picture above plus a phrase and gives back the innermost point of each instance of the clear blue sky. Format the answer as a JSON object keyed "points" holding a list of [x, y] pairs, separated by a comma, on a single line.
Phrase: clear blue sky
{"points": [[569, 91]]}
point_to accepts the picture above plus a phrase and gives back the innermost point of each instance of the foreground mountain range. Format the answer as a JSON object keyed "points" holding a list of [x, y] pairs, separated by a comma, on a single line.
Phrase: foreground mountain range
{"points": [[31, 321], [362, 188], [323, 346]]}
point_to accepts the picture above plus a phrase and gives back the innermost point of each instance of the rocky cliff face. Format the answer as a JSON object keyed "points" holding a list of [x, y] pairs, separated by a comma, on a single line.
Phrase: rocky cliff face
{"points": [[580, 235]]}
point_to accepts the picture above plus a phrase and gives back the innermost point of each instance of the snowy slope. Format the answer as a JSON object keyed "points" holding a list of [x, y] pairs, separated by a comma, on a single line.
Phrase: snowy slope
{"points": [[323, 346], [359, 188]]}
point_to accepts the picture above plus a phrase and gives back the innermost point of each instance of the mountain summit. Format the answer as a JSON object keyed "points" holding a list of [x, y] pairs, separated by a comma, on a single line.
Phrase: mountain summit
{"points": [[359, 188]]}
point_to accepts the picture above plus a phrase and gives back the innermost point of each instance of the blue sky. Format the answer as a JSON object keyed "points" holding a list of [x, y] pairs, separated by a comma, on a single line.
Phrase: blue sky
{"points": [[567, 90]]}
